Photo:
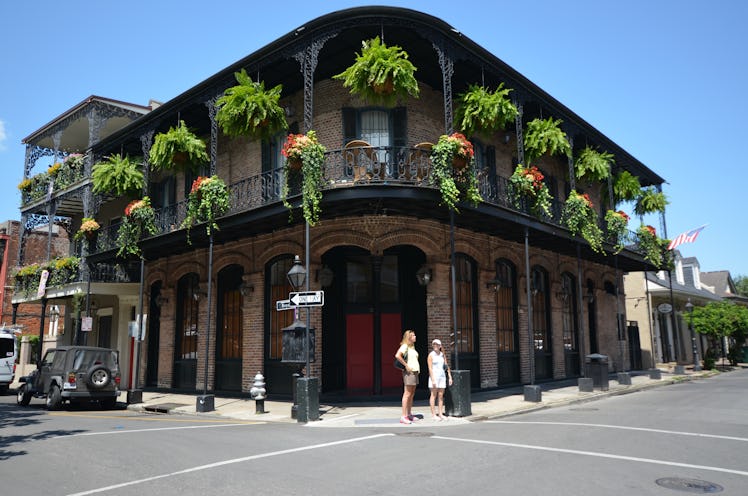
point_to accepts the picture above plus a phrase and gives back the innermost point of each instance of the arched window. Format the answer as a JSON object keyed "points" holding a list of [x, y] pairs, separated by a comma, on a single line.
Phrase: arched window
{"points": [[465, 309], [506, 308], [541, 323], [278, 289], [569, 312]]}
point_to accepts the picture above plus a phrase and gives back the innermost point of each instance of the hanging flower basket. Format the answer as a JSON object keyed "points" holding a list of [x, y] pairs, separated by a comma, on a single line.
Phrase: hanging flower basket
{"points": [[580, 217], [306, 150], [89, 228], [139, 220], [617, 223], [453, 170], [526, 184], [208, 200], [651, 246]]}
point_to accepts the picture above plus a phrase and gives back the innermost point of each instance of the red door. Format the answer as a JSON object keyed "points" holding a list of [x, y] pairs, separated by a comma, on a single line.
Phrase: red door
{"points": [[359, 332], [391, 336]]}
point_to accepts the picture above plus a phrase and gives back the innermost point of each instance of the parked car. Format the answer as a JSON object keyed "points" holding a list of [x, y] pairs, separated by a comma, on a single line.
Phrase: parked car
{"points": [[74, 374], [8, 358]]}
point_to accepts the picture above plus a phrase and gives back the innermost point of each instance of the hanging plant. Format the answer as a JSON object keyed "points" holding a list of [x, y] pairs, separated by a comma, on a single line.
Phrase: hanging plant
{"points": [[62, 271], [482, 110], [381, 74], [626, 187], [177, 149], [450, 175], [580, 217], [247, 109], [526, 184], [617, 223], [27, 279], [139, 220], [54, 169], [208, 200], [305, 148], [651, 246], [70, 171], [592, 166], [117, 175], [89, 228], [545, 136], [25, 185], [650, 201]]}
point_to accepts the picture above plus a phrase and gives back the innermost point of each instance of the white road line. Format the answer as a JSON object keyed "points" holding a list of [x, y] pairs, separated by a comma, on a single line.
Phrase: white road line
{"points": [[594, 454], [132, 431], [228, 462], [623, 427]]}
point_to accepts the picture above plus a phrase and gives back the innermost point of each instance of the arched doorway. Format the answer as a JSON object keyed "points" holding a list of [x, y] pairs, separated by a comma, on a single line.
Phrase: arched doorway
{"points": [[186, 333], [229, 330], [154, 334], [541, 323], [369, 302]]}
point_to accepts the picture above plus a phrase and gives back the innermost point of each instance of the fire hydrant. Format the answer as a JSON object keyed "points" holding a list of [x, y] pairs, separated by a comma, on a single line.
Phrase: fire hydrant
{"points": [[257, 393]]}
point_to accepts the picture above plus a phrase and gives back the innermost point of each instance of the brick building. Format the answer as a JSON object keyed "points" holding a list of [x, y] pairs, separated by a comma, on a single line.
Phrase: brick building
{"points": [[519, 297]]}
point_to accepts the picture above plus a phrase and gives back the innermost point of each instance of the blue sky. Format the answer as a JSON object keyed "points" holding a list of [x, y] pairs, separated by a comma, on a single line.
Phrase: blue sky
{"points": [[665, 79]]}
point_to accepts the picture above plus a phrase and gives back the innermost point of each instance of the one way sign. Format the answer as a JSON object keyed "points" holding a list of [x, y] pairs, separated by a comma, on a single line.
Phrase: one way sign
{"points": [[307, 299]]}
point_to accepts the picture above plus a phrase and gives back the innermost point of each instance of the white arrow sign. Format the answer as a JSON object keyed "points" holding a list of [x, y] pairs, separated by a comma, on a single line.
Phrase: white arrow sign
{"points": [[307, 299]]}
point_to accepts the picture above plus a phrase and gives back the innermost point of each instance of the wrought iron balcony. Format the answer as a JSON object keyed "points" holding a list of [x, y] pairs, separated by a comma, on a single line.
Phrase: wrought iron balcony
{"points": [[358, 166]]}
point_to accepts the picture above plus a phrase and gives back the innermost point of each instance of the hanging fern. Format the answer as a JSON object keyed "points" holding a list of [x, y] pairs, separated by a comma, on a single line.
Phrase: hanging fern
{"points": [[248, 109], [482, 110], [545, 136], [117, 175], [626, 187], [178, 148], [380, 74], [650, 201], [592, 165]]}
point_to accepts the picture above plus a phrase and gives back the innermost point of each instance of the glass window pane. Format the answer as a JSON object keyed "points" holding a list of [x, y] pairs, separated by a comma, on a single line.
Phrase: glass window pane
{"points": [[389, 290], [278, 290], [375, 128], [359, 280]]}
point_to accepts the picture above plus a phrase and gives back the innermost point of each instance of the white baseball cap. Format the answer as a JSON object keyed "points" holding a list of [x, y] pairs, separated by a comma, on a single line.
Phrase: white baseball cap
{"points": [[436, 341]]}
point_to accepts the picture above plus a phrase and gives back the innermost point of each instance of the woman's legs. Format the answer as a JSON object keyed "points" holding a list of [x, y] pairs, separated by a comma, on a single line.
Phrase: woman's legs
{"points": [[432, 400], [407, 402], [411, 396], [441, 402]]}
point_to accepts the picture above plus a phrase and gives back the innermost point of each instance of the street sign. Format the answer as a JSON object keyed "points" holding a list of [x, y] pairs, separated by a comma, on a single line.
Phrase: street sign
{"points": [[281, 305], [307, 299]]}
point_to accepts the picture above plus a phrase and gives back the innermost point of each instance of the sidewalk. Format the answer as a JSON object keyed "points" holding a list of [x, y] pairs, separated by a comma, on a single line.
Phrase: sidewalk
{"points": [[484, 405]]}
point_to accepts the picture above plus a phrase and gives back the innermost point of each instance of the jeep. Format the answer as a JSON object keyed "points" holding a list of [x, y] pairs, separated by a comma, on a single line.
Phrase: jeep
{"points": [[74, 374]]}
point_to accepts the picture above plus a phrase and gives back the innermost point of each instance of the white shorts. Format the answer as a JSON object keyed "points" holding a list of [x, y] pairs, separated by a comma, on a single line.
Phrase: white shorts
{"points": [[441, 382]]}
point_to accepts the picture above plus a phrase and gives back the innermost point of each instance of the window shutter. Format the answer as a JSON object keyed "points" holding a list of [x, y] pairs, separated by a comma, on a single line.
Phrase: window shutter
{"points": [[399, 127], [490, 158], [349, 125], [266, 158]]}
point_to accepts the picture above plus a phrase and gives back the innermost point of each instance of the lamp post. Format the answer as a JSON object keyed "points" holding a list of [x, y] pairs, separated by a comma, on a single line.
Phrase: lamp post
{"points": [[694, 350], [306, 389]]}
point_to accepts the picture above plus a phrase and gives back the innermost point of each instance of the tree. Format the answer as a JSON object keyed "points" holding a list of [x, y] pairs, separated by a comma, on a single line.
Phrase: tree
{"points": [[741, 285], [721, 319]]}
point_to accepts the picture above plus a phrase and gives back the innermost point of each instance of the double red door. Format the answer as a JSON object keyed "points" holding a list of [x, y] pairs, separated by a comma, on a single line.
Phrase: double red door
{"points": [[361, 355]]}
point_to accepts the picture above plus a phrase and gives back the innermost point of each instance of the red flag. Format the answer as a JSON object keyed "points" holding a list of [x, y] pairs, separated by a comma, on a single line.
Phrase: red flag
{"points": [[686, 237]]}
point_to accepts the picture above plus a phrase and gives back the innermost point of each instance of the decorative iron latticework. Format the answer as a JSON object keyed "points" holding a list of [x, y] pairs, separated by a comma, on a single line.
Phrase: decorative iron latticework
{"points": [[307, 59]]}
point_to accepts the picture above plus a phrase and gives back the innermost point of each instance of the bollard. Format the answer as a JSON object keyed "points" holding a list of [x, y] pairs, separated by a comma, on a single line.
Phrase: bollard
{"points": [[533, 394], [655, 374], [257, 393], [585, 384], [624, 378]]}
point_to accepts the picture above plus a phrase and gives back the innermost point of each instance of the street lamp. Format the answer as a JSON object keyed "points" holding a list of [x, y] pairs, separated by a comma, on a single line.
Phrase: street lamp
{"points": [[297, 275], [694, 350]]}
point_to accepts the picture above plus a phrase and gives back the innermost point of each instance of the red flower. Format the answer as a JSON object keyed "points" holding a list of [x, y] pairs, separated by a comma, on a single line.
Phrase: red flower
{"points": [[651, 230], [197, 183], [623, 214], [587, 199]]}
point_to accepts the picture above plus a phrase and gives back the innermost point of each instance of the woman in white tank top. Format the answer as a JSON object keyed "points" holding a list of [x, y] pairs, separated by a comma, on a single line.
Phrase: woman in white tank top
{"points": [[439, 374]]}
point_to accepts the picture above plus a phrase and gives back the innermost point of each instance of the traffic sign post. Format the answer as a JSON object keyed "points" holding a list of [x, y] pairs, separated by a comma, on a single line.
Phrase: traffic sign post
{"points": [[307, 299]]}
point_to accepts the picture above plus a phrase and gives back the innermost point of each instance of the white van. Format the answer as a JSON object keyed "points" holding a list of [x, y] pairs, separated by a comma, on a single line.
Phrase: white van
{"points": [[8, 356]]}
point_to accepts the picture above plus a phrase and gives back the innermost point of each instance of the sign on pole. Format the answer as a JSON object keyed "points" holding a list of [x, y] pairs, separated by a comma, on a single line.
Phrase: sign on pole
{"points": [[281, 305], [307, 299]]}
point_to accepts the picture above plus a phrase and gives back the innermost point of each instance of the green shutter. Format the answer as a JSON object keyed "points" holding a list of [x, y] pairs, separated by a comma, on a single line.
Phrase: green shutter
{"points": [[399, 127]]}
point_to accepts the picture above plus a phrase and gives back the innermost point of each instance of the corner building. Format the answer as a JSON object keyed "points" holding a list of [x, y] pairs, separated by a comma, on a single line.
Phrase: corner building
{"points": [[490, 265]]}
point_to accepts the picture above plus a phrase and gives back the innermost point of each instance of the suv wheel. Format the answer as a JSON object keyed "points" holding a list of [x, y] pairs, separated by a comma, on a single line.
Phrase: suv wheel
{"points": [[23, 396], [98, 377], [54, 398]]}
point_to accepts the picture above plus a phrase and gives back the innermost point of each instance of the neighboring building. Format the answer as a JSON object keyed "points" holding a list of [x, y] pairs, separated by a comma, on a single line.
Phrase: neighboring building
{"points": [[665, 336], [723, 286], [377, 231]]}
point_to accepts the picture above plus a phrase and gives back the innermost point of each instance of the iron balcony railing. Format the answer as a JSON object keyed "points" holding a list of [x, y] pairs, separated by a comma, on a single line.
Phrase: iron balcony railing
{"points": [[355, 167]]}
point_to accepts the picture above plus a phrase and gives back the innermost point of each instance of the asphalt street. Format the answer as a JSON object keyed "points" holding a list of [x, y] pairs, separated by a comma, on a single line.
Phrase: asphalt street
{"points": [[684, 438]]}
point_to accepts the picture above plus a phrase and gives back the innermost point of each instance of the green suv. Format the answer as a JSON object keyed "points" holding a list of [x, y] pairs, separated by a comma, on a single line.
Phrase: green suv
{"points": [[75, 374]]}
